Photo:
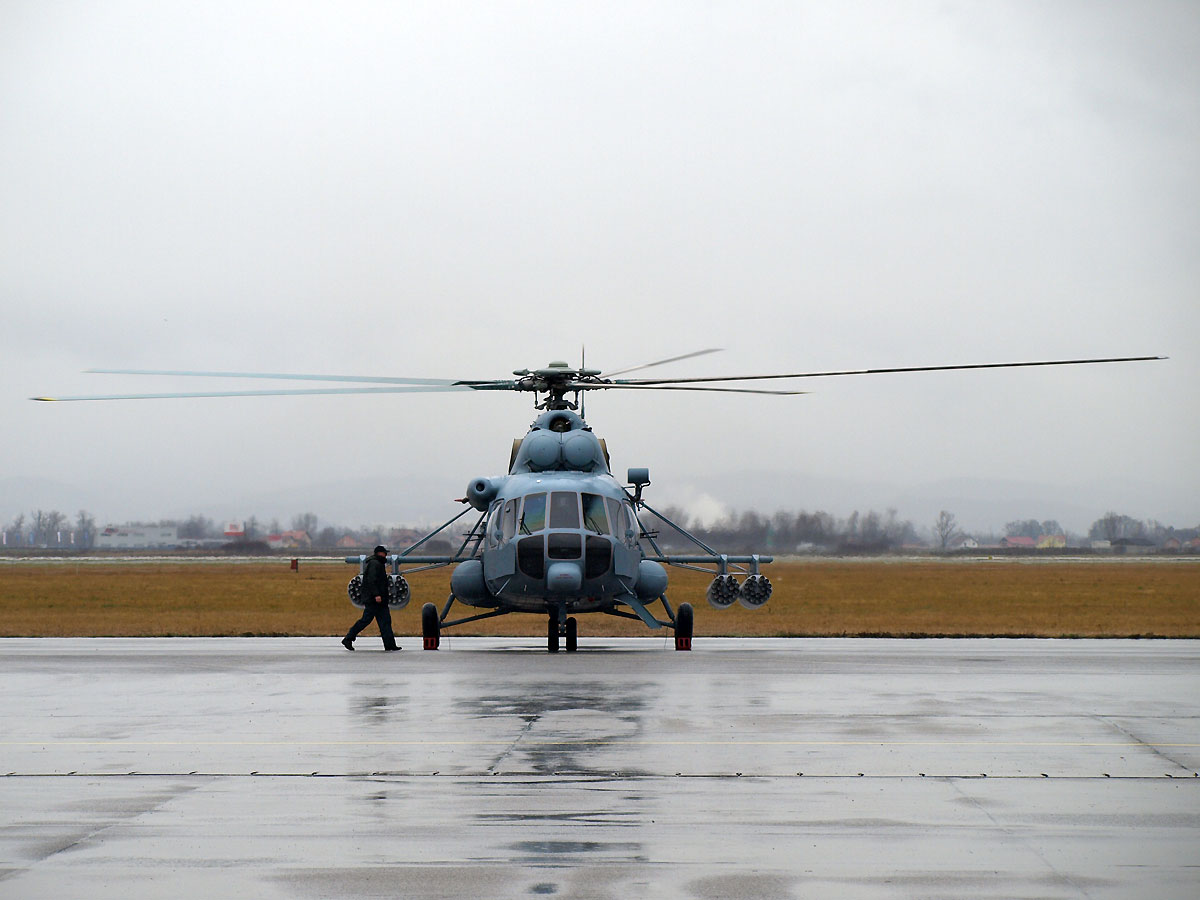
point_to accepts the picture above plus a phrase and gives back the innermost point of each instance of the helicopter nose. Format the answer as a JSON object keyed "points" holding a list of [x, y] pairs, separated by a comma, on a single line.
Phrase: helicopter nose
{"points": [[564, 577]]}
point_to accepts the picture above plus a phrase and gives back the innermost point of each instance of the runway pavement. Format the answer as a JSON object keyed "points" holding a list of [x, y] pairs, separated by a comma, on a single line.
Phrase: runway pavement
{"points": [[289, 768]]}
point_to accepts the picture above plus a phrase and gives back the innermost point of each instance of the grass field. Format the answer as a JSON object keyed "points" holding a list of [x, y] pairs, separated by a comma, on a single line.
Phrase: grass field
{"points": [[812, 598]]}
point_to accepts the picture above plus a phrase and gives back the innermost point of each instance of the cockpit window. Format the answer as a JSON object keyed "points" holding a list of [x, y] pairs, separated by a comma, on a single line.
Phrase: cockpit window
{"points": [[533, 516], [595, 518], [631, 521], [564, 509], [494, 521], [510, 519], [615, 516]]}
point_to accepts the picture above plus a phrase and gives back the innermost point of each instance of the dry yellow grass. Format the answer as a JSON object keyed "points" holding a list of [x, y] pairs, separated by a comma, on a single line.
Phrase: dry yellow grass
{"points": [[1085, 599]]}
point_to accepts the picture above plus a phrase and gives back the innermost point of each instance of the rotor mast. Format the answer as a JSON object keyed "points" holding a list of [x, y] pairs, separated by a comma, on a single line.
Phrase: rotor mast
{"points": [[556, 381]]}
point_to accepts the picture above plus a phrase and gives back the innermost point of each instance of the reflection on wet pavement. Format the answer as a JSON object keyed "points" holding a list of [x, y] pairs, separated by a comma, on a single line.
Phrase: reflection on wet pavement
{"points": [[756, 769]]}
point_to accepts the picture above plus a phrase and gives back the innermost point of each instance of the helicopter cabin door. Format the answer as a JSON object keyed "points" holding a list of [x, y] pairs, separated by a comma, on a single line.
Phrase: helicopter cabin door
{"points": [[500, 560]]}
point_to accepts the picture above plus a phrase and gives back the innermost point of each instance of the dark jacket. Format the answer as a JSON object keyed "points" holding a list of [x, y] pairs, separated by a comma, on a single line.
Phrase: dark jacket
{"points": [[374, 580]]}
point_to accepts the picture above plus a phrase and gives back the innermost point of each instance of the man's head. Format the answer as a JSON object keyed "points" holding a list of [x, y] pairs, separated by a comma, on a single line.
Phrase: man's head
{"points": [[381, 550]]}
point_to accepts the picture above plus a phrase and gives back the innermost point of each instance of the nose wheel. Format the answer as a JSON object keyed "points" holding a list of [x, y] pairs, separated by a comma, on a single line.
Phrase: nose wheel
{"points": [[568, 629]]}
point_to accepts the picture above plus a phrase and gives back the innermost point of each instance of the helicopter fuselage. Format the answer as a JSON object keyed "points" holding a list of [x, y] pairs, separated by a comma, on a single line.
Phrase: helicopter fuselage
{"points": [[552, 538], [560, 531]]}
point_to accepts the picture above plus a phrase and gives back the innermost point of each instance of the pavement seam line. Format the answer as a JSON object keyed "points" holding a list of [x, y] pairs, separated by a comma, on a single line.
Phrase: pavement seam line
{"points": [[530, 721], [1153, 748], [1013, 834]]}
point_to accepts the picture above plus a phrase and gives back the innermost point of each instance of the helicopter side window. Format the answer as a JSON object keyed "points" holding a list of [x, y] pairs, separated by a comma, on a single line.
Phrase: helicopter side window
{"points": [[564, 509], [533, 517], [631, 522], [594, 516], [616, 516], [510, 520], [493, 524]]}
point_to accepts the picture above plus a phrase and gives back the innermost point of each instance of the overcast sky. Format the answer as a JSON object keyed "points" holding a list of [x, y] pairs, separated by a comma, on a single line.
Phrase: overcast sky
{"points": [[457, 190]]}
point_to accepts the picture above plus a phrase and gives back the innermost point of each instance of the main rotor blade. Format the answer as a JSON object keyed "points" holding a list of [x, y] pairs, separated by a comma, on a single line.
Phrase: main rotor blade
{"points": [[1007, 365], [182, 395], [369, 379], [587, 386], [661, 362]]}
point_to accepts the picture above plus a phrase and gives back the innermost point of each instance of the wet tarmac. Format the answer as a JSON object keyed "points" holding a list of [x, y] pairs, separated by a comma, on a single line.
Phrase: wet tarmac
{"points": [[288, 768]]}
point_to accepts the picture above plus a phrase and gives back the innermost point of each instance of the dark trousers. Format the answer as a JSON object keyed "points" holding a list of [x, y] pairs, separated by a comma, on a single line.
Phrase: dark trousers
{"points": [[381, 614]]}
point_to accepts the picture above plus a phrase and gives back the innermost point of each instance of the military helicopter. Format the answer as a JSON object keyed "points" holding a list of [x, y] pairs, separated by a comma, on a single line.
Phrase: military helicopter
{"points": [[559, 535]]}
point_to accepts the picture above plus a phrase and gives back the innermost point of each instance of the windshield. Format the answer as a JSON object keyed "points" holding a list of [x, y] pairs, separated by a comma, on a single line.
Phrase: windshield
{"points": [[533, 516], [595, 518], [564, 509]]}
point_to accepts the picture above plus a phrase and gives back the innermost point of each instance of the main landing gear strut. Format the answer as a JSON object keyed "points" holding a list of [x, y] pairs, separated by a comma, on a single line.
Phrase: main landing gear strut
{"points": [[558, 626]]}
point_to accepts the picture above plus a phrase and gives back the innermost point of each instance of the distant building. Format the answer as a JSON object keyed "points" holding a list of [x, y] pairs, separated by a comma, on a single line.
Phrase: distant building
{"points": [[289, 540], [1051, 541], [1018, 543], [1172, 544], [137, 537], [965, 543], [349, 542], [1133, 546], [1101, 545], [403, 537], [235, 531]]}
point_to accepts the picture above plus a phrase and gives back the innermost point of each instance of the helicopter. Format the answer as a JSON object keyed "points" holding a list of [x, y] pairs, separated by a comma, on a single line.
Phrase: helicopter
{"points": [[559, 535]]}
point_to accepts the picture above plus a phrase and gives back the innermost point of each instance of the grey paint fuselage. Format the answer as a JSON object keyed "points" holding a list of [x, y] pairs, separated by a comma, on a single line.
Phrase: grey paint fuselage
{"points": [[560, 530], [609, 554]]}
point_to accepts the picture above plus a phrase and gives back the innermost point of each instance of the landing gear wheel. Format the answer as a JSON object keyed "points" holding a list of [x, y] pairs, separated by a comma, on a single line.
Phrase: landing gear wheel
{"points": [[572, 635], [683, 627], [431, 629], [552, 634]]}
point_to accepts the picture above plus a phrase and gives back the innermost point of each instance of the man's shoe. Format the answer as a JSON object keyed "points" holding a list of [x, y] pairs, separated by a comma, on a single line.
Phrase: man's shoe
{"points": [[390, 649], [348, 643]]}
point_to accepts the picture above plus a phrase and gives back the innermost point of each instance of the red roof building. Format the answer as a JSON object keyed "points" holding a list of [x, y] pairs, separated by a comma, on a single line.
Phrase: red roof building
{"points": [[1019, 543]]}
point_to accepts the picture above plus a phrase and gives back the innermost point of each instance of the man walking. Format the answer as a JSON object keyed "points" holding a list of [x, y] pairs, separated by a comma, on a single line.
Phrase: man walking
{"points": [[375, 602]]}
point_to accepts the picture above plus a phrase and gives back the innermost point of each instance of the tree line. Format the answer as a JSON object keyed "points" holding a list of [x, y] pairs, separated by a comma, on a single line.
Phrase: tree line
{"points": [[51, 528], [789, 532], [321, 536], [1112, 527], [736, 532], [801, 532]]}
